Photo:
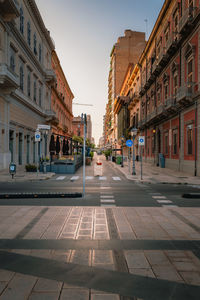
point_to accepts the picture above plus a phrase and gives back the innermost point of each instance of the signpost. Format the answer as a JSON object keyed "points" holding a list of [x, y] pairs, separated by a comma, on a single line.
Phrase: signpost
{"points": [[44, 128], [129, 144], [141, 144]]}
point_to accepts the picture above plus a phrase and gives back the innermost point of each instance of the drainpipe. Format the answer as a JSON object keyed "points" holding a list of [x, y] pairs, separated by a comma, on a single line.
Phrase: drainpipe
{"points": [[195, 139]]}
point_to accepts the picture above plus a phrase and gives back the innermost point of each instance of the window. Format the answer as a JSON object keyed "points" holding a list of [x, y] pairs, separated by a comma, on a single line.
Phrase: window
{"points": [[12, 59], [166, 88], [175, 139], [175, 82], [40, 96], [29, 84], [35, 90], [189, 70], [159, 93], [176, 23], [21, 21], [21, 77], [189, 139], [29, 33], [166, 143], [35, 44], [40, 52], [167, 33]]}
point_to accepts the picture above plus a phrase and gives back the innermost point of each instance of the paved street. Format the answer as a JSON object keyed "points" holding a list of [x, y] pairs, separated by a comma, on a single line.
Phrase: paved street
{"points": [[125, 240]]}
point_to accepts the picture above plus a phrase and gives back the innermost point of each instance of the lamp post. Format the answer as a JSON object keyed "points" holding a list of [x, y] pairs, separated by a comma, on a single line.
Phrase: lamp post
{"points": [[115, 149], [133, 134], [122, 163]]}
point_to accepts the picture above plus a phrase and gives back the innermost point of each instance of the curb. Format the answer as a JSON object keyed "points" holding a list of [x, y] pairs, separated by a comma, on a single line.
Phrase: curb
{"points": [[40, 195]]}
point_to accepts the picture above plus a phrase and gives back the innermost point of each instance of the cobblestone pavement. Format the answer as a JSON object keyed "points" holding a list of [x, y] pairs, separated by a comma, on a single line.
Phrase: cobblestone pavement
{"points": [[99, 253]]}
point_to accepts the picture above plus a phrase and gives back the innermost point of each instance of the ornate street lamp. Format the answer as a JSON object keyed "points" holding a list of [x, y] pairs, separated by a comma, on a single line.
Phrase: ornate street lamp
{"points": [[122, 140], [133, 134]]}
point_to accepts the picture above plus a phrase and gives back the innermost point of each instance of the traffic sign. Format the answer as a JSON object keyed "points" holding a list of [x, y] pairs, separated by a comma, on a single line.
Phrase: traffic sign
{"points": [[129, 143], [37, 136], [141, 140]]}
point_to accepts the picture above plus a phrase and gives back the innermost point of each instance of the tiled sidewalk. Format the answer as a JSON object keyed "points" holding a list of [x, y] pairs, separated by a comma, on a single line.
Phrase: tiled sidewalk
{"points": [[152, 243]]}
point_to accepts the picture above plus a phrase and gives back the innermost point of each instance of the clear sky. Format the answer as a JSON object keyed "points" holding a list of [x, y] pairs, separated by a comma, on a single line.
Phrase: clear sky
{"points": [[84, 32]]}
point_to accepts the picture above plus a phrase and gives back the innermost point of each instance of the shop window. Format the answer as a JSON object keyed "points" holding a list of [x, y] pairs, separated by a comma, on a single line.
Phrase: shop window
{"points": [[175, 141], [166, 142], [189, 140]]}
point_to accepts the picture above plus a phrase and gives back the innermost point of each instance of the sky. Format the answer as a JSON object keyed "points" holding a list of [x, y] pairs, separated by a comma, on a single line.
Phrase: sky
{"points": [[84, 32]]}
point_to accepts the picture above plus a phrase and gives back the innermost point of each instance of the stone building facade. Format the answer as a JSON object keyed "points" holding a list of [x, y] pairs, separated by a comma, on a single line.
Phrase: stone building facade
{"points": [[127, 50]]}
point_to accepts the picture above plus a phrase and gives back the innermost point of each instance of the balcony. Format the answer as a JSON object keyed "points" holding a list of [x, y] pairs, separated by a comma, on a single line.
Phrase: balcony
{"points": [[184, 95], [9, 9], [172, 44], [186, 20], [50, 76], [162, 56], [51, 117], [8, 79]]}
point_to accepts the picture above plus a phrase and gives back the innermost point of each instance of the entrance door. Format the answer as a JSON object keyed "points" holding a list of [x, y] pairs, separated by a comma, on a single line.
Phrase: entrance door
{"points": [[11, 141]]}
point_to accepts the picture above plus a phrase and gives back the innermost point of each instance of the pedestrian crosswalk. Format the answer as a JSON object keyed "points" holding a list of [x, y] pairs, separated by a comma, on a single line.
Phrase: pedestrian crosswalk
{"points": [[87, 178]]}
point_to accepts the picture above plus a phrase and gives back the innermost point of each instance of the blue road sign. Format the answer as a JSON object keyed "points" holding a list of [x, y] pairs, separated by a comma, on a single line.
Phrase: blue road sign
{"points": [[141, 140], [129, 143]]}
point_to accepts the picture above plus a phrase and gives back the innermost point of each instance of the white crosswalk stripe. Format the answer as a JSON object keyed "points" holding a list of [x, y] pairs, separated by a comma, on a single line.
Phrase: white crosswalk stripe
{"points": [[60, 178], [116, 178], [102, 178], [89, 177], [164, 201], [74, 178]]}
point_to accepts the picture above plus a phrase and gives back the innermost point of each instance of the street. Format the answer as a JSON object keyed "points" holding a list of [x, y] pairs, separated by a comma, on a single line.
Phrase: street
{"points": [[121, 237]]}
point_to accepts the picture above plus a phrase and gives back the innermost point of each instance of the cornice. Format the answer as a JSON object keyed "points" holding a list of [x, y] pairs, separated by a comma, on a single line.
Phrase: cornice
{"points": [[39, 19]]}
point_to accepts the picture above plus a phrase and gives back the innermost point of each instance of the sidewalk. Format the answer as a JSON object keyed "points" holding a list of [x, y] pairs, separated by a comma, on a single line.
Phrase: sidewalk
{"points": [[153, 174], [22, 175]]}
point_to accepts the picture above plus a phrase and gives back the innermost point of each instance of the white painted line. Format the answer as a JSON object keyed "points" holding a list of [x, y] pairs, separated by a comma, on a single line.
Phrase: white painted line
{"points": [[102, 177], [89, 177], [116, 178], [169, 205], [108, 205], [105, 187], [74, 178], [60, 178], [107, 196], [158, 197], [107, 201], [164, 201]]}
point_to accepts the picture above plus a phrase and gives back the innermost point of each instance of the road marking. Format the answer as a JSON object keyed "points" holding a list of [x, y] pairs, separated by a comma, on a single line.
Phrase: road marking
{"points": [[107, 201], [89, 177], [116, 178], [158, 197], [108, 205], [107, 196], [164, 201], [102, 177], [169, 205], [60, 178], [74, 178], [105, 187]]}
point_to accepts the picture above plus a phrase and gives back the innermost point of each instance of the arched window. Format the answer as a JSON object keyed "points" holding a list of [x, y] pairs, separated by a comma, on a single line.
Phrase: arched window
{"points": [[35, 44], [21, 78], [21, 21], [29, 33]]}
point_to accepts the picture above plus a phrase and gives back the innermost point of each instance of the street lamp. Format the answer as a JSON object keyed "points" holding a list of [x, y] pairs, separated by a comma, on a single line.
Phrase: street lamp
{"points": [[133, 134], [122, 163], [115, 149]]}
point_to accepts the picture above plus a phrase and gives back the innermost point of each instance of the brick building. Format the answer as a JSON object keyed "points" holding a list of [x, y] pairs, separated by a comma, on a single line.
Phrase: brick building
{"points": [[166, 85]]}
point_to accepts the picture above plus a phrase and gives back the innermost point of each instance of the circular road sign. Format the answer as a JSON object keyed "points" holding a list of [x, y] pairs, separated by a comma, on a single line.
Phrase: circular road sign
{"points": [[129, 143]]}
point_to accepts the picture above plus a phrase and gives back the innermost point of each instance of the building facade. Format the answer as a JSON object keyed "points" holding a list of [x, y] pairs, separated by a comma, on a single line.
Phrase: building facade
{"points": [[127, 50], [61, 102], [163, 89], [89, 128], [26, 77]]}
